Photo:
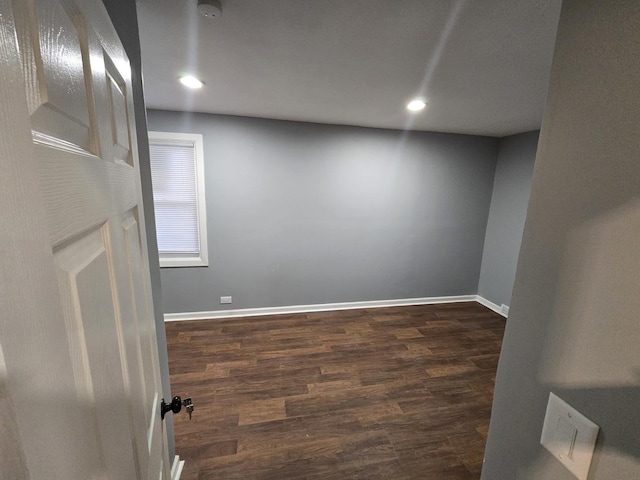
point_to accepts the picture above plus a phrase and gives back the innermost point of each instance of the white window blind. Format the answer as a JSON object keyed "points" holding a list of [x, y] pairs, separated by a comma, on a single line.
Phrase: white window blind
{"points": [[178, 197]]}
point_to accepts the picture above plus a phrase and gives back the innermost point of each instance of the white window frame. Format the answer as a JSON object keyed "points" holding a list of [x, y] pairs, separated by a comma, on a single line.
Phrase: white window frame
{"points": [[195, 139]]}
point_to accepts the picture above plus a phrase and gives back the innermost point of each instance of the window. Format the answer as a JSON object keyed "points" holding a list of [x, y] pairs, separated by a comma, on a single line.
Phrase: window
{"points": [[177, 172]]}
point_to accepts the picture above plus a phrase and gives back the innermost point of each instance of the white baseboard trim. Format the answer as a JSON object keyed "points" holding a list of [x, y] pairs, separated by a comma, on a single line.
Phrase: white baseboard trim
{"points": [[323, 307], [493, 306], [176, 468]]}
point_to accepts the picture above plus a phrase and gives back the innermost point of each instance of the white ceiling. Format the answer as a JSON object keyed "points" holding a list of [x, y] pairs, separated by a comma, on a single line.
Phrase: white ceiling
{"points": [[483, 65]]}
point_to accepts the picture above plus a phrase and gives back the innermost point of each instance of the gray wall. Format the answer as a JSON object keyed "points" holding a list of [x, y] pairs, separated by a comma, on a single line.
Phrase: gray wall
{"points": [[574, 321], [511, 188], [124, 17], [304, 213]]}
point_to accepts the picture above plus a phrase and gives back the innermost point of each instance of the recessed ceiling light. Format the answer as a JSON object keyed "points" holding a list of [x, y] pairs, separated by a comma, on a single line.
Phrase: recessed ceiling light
{"points": [[416, 105], [191, 82]]}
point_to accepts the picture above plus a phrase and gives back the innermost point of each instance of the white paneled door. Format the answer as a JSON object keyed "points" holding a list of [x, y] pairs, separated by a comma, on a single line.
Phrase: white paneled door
{"points": [[79, 373]]}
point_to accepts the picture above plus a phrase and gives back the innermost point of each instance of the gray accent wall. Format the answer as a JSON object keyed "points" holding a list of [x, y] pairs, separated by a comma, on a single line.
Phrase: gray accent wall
{"points": [[123, 14], [511, 188], [302, 213], [574, 327]]}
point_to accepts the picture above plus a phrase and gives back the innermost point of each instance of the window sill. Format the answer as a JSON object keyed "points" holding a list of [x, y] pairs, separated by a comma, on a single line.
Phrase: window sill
{"points": [[183, 262]]}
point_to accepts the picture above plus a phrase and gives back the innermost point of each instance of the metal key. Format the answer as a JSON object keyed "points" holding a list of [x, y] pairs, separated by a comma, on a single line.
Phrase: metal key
{"points": [[189, 406]]}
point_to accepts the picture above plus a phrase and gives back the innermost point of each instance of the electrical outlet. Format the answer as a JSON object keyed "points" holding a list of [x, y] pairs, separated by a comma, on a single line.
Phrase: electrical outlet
{"points": [[225, 300]]}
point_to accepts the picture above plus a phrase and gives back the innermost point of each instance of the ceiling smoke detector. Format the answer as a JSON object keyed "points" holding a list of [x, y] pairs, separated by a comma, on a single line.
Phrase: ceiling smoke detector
{"points": [[210, 8]]}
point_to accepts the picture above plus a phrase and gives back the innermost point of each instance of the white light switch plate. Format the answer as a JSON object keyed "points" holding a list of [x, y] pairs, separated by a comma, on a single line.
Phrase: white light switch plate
{"points": [[569, 436]]}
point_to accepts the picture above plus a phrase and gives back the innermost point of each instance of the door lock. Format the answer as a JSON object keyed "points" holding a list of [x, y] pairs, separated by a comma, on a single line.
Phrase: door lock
{"points": [[176, 405]]}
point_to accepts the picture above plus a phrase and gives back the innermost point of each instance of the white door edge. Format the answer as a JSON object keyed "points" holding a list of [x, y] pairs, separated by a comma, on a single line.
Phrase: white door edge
{"points": [[176, 468]]}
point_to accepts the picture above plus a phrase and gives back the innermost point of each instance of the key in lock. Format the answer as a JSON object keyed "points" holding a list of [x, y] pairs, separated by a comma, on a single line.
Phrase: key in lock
{"points": [[189, 406]]}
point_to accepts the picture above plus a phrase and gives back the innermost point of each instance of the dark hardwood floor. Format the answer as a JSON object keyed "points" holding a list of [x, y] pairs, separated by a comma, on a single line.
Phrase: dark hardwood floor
{"points": [[389, 393]]}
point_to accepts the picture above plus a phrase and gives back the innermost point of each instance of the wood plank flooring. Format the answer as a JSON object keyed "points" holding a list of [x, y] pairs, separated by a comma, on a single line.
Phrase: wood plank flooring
{"points": [[390, 393]]}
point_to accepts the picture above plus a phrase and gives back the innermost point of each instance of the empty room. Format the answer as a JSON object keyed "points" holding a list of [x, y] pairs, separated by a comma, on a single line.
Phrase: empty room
{"points": [[326, 318], [319, 240]]}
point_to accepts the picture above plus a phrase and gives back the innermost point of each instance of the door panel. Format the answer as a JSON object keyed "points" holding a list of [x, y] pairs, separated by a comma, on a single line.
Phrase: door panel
{"points": [[80, 376], [53, 62], [143, 340], [119, 115], [74, 262], [87, 287], [146, 420]]}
